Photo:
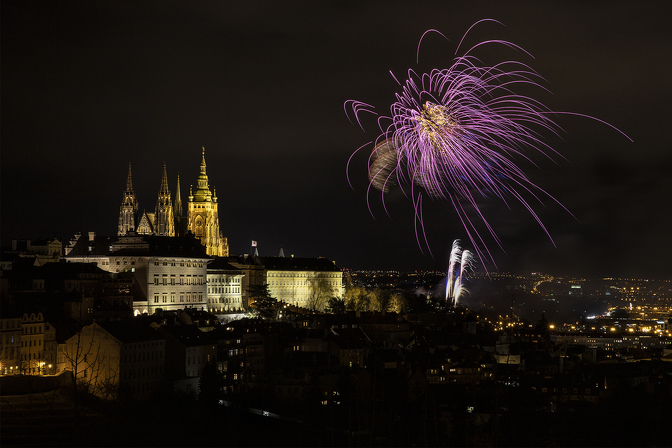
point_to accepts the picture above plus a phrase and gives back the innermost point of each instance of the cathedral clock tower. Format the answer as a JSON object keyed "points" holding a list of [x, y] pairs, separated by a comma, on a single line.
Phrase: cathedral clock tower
{"points": [[203, 217]]}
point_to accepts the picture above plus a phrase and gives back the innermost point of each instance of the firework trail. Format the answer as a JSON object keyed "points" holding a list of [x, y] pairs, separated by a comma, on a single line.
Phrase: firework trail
{"points": [[466, 265], [454, 134], [460, 264], [453, 261]]}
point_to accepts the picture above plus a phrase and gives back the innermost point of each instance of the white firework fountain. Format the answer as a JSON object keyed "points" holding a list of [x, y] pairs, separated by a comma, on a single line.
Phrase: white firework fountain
{"points": [[461, 262]]}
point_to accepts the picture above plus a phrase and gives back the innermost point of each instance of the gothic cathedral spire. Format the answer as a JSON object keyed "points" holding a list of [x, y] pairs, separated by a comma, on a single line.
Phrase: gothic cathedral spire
{"points": [[178, 210], [203, 216], [128, 212], [203, 188], [164, 219]]}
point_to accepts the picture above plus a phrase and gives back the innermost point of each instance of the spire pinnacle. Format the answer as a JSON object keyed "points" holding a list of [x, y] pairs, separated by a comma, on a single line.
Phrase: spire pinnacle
{"points": [[203, 193], [129, 181], [203, 163], [178, 198]]}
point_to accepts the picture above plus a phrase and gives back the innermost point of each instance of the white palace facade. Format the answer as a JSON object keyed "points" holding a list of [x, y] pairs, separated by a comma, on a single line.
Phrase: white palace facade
{"points": [[170, 273]]}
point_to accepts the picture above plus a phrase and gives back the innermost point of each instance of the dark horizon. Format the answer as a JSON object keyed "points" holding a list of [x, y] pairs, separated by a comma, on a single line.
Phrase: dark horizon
{"points": [[89, 87]]}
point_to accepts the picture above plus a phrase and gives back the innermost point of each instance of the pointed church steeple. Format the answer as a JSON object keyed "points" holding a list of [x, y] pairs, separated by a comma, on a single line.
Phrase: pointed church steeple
{"points": [[178, 209], [164, 217], [203, 215], [178, 197], [164, 182], [129, 181], [203, 188], [128, 212]]}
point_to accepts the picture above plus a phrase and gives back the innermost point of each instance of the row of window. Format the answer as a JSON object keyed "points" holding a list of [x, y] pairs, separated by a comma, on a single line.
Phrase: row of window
{"points": [[35, 329], [189, 263], [195, 280], [197, 359], [141, 373], [225, 300], [189, 297], [143, 356], [224, 290], [9, 338], [10, 323], [305, 275], [223, 280], [300, 283]]}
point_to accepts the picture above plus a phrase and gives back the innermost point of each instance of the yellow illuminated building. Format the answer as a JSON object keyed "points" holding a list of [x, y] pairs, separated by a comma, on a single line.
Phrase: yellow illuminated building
{"points": [[304, 282], [164, 218], [128, 212], [203, 216]]}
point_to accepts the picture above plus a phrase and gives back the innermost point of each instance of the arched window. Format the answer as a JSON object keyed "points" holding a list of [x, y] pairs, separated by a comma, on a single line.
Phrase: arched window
{"points": [[199, 226]]}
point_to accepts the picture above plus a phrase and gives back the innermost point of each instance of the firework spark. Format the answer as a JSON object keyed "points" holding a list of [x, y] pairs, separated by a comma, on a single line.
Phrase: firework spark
{"points": [[460, 264], [455, 134]]}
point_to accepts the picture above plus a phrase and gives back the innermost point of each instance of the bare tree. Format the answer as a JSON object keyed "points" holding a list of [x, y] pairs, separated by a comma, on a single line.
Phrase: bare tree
{"points": [[382, 300], [335, 305], [320, 291], [94, 368], [357, 298]]}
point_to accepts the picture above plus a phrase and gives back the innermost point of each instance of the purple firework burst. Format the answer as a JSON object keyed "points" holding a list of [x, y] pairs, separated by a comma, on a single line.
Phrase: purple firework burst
{"points": [[455, 134]]}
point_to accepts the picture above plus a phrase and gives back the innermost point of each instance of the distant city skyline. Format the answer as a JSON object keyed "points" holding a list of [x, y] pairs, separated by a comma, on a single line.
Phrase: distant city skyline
{"points": [[88, 88]]}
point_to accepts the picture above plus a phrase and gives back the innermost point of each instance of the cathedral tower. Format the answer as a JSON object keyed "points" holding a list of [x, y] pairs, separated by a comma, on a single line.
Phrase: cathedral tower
{"points": [[179, 229], [203, 216], [164, 220], [128, 212]]}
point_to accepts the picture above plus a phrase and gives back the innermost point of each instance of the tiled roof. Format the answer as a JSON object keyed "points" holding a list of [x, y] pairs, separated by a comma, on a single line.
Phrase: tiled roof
{"points": [[130, 331], [297, 264]]}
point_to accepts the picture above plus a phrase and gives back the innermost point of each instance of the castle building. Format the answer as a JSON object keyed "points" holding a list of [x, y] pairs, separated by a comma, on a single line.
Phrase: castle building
{"points": [[170, 273], [203, 216], [303, 282], [128, 212], [224, 287]]}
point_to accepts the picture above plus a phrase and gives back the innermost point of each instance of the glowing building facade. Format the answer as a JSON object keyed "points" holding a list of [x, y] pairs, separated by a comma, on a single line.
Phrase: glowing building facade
{"points": [[203, 216], [167, 220], [225, 292], [128, 212], [170, 273], [303, 282], [164, 224]]}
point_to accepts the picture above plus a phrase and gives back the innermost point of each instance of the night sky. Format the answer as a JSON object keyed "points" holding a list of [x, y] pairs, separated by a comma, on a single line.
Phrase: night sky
{"points": [[88, 87]]}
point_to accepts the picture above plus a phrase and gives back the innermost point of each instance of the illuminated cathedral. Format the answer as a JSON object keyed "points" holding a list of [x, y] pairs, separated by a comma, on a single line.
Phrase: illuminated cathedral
{"points": [[202, 218]]}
